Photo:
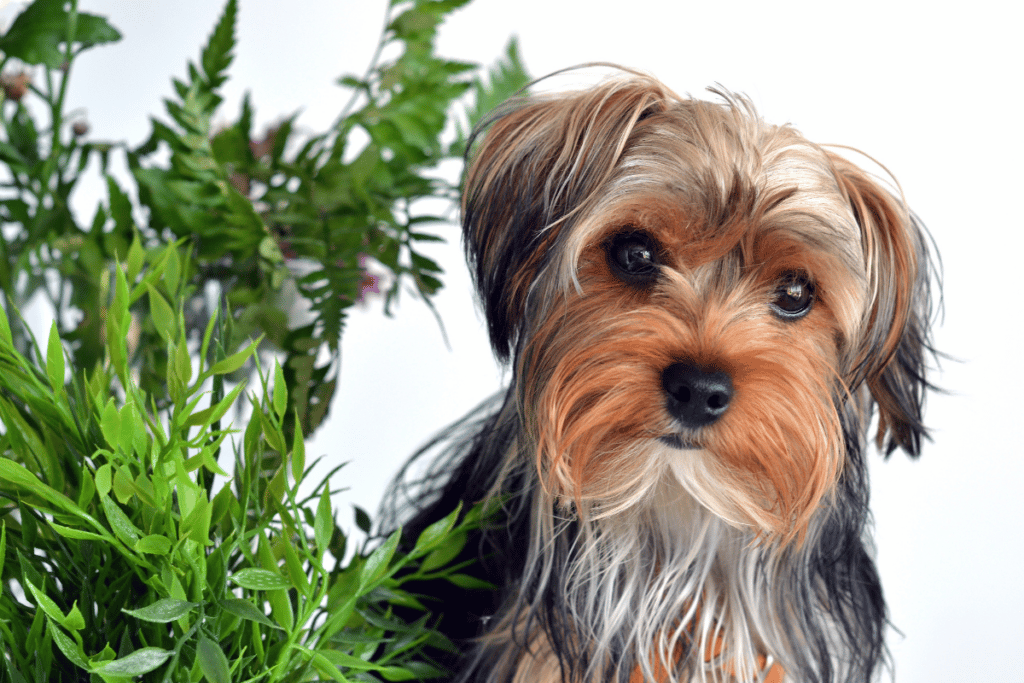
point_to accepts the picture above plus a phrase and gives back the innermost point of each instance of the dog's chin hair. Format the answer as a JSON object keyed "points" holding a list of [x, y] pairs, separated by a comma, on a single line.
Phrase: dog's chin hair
{"points": [[635, 579], [661, 584]]}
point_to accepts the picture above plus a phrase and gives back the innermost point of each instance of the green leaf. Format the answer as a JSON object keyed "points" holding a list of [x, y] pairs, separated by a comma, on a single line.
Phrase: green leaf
{"points": [[110, 424], [45, 603], [438, 530], [123, 485], [172, 270], [183, 362], [298, 453], [68, 532], [162, 315], [323, 523], [5, 328], [209, 415], [163, 611], [37, 34], [325, 666], [363, 521], [444, 553], [234, 361], [74, 621], [104, 475], [196, 525], [216, 57], [137, 663], [154, 545], [118, 321], [119, 522], [212, 661], [259, 579], [246, 610], [377, 563], [469, 582], [72, 650], [135, 259], [280, 395], [93, 30], [55, 359]]}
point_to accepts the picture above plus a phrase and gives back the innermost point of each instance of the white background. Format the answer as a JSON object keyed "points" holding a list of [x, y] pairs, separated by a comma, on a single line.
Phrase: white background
{"points": [[930, 89]]}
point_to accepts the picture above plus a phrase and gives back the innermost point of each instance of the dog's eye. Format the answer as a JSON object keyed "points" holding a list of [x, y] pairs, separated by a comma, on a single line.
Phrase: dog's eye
{"points": [[793, 297], [632, 256]]}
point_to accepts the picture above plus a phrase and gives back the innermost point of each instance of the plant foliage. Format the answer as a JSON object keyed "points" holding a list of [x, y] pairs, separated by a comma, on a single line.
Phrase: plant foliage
{"points": [[140, 536], [120, 558], [329, 218]]}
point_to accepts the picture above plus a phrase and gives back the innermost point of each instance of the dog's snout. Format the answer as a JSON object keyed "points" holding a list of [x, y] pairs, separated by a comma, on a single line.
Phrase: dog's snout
{"points": [[696, 396]]}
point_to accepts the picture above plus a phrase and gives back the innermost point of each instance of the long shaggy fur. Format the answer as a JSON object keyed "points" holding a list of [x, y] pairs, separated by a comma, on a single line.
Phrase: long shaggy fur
{"points": [[632, 544]]}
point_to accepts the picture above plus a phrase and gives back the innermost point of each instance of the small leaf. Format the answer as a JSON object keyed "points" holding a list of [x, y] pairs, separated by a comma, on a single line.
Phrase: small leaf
{"points": [[134, 261], [234, 361], [259, 579], [438, 530], [323, 523], [119, 522], [104, 476], [163, 611], [377, 563], [212, 661], [55, 359], [162, 315], [172, 270], [183, 363], [72, 650], [298, 453], [246, 610], [45, 603], [5, 328], [68, 532], [137, 663], [196, 524], [362, 519], [445, 552], [123, 485], [280, 396], [110, 424], [154, 545], [469, 582], [74, 621]]}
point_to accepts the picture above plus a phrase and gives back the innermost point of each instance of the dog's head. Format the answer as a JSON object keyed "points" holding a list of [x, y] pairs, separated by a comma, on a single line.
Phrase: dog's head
{"points": [[682, 287]]}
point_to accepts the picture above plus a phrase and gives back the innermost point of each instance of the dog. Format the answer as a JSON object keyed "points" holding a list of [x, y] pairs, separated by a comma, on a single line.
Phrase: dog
{"points": [[705, 317]]}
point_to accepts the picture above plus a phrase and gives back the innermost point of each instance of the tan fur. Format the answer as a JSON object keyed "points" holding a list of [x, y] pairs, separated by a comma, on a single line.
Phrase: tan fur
{"points": [[734, 205]]}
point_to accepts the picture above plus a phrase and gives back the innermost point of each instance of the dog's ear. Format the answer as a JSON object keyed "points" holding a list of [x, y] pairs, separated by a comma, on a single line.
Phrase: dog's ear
{"points": [[895, 346], [540, 161]]}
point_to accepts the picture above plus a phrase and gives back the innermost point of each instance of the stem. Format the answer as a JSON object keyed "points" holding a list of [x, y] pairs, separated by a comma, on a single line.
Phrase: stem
{"points": [[347, 109], [58, 106]]}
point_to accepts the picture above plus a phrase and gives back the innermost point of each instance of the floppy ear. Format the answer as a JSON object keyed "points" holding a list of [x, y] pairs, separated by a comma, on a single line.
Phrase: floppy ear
{"points": [[540, 160], [896, 342]]}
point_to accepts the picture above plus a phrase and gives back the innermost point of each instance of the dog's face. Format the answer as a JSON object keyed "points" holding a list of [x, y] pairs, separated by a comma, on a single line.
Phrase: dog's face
{"points": [[688, 292]]}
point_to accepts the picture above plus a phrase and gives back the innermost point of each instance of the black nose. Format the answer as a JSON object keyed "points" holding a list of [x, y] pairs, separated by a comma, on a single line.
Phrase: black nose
{"points": [[696, 396]]}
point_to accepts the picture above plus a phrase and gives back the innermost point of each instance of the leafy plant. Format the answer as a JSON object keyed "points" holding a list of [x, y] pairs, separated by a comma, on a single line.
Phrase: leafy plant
{"points": [[139, 536], [331, 217], [120, 559]]}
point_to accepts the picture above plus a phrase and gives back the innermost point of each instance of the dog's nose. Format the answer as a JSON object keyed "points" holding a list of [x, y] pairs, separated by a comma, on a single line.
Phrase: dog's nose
{"points": [[696, 396]]}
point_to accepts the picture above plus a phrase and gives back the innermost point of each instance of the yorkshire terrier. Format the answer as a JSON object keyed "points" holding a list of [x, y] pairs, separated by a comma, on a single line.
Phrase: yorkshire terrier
{"points": [[702, 314]]}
